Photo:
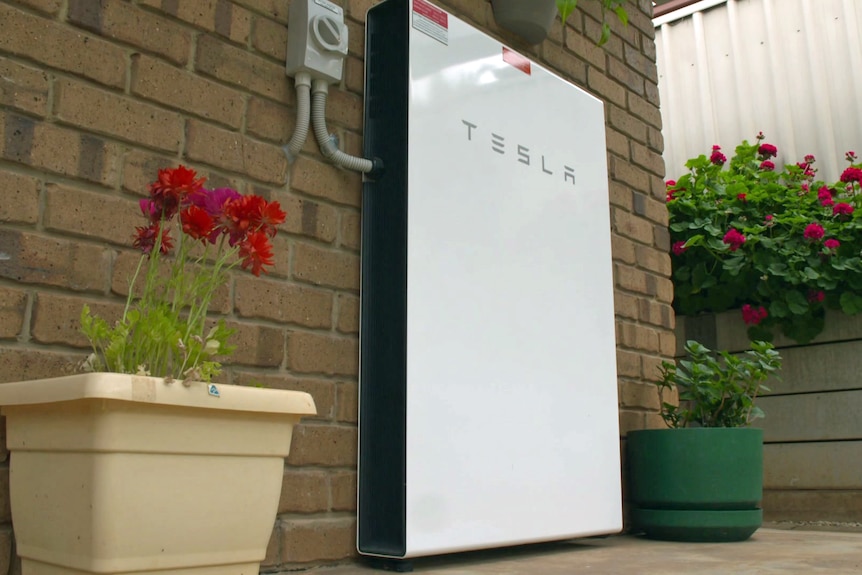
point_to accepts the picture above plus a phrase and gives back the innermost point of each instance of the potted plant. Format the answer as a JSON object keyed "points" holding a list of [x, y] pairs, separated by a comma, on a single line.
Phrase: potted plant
{"points": [[532, 19], [701, 479], [142, 464], [780, 245]]}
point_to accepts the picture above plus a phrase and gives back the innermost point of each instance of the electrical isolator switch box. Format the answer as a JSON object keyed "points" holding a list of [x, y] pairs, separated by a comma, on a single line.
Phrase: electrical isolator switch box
{"points": [[316, 39]]}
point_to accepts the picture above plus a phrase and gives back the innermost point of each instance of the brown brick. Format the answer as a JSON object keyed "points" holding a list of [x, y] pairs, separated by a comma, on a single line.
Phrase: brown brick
{"points": [[17, 364], [307, 217], [322, 180], [12, 306], [640, 62], [343, 489], [628, 364], [651, 366], [322, 390], [632, 226], [35, 259], [624, 171], [284, 303], [355, 39], [621, 196], [646, 111], [623, 249], [626, 123], [651, 94], [256, 345], [320, 539], [655, 313], [348, 313], [626, 305], [141, 168], [655, 140], [47, 6], [221, 16], [354, 75], [344, 109], [572, 68], [324, 445], [630, 278], [347, 402], [56, 318], [235, 152], [639, 395], [325, 267], [316, 353], [270, 37], [23, 87], [357, 9], [273, 549], [20, 195], [243, 69], [351, 230], [606, 88], [304, 491], [60, 47], [631, 420], [272, 121], [85, 213], [164, 84], [653, 260], [127, 23], [636, 336], [118, 116], [275, 9], [648, 159]]}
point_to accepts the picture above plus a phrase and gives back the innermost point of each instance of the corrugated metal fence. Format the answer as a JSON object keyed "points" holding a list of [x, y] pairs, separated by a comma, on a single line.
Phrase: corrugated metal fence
{"points": [[791, 68]]}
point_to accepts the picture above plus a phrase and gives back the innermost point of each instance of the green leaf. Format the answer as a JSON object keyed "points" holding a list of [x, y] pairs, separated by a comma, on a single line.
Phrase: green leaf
{"points": [[606, 34], [851, 303], [566, 7], [796, 302], [622, 15]]}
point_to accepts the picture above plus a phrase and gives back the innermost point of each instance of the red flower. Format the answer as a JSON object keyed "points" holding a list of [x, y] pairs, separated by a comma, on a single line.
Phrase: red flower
{"points": [[172, 189], [816, 296], [753, 315], [831, 244], [767, 151], [669, 196], [809, 158], [741, 197], [824, 194], [241, 217], [813, 232], [852, 174], [197, 223], [145, 239], [767, 166], [270, 216], [768, 218], [717, 157], [256, 251], [734, 239], [678, 248], [850, 156], [842, 209]]}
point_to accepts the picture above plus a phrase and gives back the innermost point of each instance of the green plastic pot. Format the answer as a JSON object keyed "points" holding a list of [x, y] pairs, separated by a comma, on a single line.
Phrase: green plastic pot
{"points": [[696, 484]]}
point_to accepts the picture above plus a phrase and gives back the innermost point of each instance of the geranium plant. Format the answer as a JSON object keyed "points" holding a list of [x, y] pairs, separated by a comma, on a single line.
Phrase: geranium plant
{"points": [[566, 7], [164, 330], [716, 389], [781, 245]]}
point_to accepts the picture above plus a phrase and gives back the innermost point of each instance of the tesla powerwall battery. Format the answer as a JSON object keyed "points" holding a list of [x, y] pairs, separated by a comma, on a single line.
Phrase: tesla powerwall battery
{"points": [[488, 391]]}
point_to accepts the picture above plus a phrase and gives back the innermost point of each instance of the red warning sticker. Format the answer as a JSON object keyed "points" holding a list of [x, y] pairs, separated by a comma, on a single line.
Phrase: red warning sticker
{"points": [[431, 20], [516, 60]]}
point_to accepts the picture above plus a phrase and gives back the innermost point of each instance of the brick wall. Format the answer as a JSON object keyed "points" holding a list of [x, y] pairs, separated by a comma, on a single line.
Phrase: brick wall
{"points": [[96, 95]]}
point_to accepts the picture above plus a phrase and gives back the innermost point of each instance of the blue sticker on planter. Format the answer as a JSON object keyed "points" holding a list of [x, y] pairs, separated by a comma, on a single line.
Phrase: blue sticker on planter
{"points": [[213, 390]]}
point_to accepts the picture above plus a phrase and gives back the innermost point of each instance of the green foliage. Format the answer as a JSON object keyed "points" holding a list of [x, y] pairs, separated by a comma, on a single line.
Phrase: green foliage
{"points": [[716, 389], [797, 248], [566, 7]]}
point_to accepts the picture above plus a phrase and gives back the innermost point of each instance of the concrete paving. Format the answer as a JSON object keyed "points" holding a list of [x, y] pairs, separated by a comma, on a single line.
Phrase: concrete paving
{"points": [[768, 552]]}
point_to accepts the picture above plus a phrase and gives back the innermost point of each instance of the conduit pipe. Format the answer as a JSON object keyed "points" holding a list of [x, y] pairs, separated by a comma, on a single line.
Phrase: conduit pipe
{"points": [[303, 112], [319, 92]]}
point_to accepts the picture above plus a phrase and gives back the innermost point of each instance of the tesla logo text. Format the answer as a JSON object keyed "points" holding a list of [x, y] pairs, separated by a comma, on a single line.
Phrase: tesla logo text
{"points": [[522, 153]]}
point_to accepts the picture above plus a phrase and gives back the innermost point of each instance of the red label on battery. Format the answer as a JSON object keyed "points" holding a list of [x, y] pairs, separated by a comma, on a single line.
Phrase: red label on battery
{"points": [[431, 12], [516, 60]]}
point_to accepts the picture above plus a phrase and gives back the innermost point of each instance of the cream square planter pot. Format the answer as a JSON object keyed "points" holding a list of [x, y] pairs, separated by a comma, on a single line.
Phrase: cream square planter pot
{"points": [[114, 473]]}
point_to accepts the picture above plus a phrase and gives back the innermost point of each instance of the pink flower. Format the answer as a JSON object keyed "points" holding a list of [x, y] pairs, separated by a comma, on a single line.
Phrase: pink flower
{"points": [[767, 151], [669, 196], [824, 194], [767, 166], [678, 248], [734, 239], [831, 244], [768, 218], [717, 157], [753, 315], [850, 156], [813, 232], [741, 197], [816, 296], [852, 174], [842, 209], [670, 183]]}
